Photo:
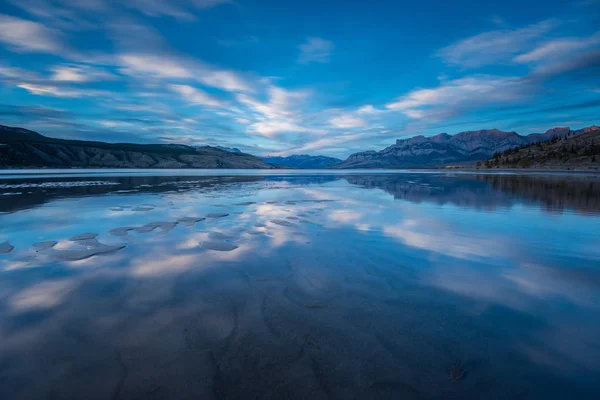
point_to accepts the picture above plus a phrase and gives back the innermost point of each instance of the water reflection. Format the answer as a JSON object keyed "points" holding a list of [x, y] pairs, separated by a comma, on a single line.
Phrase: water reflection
{"points": [[301, 287]]}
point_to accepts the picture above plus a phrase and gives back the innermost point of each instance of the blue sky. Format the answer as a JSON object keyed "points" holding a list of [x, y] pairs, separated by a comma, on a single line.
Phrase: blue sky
{"points": [[281, 77]]}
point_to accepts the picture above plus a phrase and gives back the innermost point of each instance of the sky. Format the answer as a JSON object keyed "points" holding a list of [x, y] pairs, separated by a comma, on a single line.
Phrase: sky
{"points": [[278, 77]]}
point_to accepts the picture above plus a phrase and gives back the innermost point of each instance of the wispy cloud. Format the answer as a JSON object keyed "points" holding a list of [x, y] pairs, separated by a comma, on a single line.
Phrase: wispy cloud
{"points": [[347, 121], [182, 9], [196, 96], [315, 50], [496, 46], [57, 91], [29, 36], [558, 49], [80, 74], [451, 95], [280, 114]]}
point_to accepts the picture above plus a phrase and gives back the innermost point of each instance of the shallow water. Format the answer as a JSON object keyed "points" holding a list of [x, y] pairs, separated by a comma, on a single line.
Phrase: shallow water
{"points": [[301, 285]]}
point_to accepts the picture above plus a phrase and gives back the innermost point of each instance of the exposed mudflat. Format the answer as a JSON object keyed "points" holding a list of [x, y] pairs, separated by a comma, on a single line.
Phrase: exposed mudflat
{"points": [[384, 286]]}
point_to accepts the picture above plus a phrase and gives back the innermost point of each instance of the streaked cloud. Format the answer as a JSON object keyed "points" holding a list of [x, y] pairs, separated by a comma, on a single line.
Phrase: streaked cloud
{"points": [[347, 121], [496, 46], [315, 49], [29, 36], [196, 96], [79, 73], [450, 95], [558, 49]]}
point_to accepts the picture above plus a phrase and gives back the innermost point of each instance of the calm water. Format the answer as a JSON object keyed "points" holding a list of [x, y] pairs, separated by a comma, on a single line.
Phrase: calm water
{"points": [[317, 286]]}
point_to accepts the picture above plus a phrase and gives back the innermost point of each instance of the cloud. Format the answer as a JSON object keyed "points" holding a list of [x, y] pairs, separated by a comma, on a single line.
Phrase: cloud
{"points": [[272, 129], [182, 10], [495, 46], [17, 73], [79, 74], [347, 121], [369, 110], [280, 114], [161, 66], [315, 50], [79, 14], [28, 36], [196, 96], [558, 49], [584, 66], [450, 95], [56, 91]]}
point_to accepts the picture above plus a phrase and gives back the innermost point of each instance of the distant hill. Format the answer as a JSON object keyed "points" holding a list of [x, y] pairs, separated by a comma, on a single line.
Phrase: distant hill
{"points": [[22, 148], [303, 161], [229, 149], [443, 149], [574, 149]]}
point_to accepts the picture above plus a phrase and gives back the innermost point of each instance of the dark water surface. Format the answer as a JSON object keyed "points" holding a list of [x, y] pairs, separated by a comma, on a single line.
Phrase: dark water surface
{"points": [[317, 286]]}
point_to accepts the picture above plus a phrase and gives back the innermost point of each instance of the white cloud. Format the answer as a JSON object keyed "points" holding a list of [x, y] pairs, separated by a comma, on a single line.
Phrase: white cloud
{"points": [[223, 79], [558, 49], [271, 129], [280, 114], [182, 9], [176, 68], [324, 143], [158, 66], [196, 96], [28, 36], [315, 50], [347, 121], [17, 73], [74, 73], [55, 91], [450, 95], [369, 109], [494, 46]]}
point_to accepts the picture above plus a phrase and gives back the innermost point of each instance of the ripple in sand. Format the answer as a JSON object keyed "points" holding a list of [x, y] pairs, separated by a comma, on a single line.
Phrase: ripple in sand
{"points": [[190, 221], [218, 245], [121, 231], [82, 254], [306, 221], [87, 242], [219, 236], [245, 203], [216, 215], [292, 218], [260, 225], [84, 236], [143, 209], [5, 248], [164, 227], [282, 222], [44, 245]]}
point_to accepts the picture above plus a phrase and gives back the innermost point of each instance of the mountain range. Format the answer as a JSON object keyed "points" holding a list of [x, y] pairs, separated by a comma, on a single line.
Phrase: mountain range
{"points": [[303, 161], [578, 149], [22, 148], [444, 149]]}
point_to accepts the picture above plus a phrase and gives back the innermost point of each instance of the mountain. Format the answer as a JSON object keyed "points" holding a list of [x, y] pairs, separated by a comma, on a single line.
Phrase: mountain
{"points": [[442, 149], [303, 161], [577, 149], [22, 148], [229, 149]]}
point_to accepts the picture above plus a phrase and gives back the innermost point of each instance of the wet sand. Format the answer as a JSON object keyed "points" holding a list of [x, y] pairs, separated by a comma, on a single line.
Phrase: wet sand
{"points": [[328, 290]]}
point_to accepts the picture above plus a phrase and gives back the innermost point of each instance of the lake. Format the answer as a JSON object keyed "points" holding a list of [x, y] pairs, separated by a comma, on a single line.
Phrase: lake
{"points": [[299, 285]]}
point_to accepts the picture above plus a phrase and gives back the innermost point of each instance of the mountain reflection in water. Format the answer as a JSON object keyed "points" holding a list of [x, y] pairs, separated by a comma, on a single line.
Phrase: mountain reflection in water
{"points": [[374, 286]]}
